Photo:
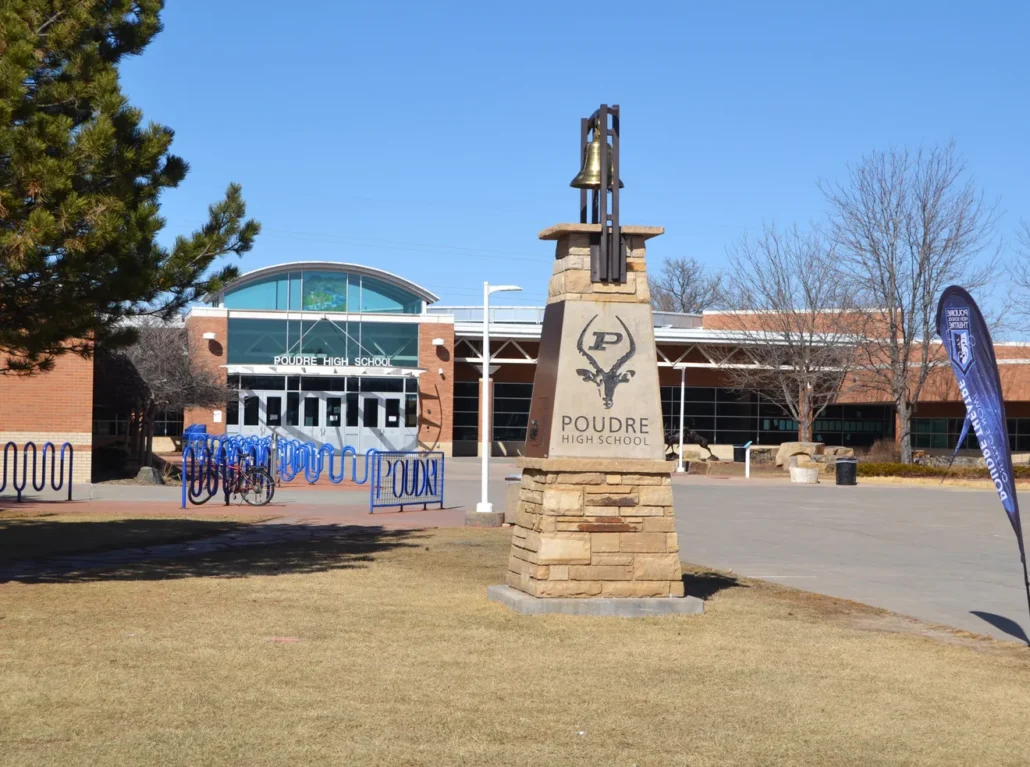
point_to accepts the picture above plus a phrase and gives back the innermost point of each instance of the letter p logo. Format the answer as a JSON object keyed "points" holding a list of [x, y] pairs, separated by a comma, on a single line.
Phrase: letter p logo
{"points": [[603, 339]]}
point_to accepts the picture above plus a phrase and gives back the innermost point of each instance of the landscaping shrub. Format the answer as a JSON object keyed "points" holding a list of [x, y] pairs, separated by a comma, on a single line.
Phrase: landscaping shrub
{"points": [[893, 469], [884, 450]]}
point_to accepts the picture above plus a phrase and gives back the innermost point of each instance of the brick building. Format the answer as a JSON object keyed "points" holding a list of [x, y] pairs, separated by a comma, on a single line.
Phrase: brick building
{"points": [[351, 355]]}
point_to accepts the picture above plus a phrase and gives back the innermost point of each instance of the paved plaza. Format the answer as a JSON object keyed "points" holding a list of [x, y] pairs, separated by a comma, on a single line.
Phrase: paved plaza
{"points": [[939, 554]]}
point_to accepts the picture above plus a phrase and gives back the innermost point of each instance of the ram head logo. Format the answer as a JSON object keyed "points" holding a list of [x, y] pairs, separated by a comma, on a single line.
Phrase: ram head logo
{"points": [[606, 380]]}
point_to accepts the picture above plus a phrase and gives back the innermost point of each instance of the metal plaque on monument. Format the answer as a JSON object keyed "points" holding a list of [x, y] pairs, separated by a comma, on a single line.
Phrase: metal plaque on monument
{"points": [[595, 531]]}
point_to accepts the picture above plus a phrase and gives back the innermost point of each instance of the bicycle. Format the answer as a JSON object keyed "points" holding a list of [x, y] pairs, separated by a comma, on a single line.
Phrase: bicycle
{"points": [[252, 483]]}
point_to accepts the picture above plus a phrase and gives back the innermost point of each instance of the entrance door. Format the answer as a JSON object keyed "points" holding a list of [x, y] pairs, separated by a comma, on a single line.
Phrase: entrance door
{"points": [[382, 422], [259, 413]]}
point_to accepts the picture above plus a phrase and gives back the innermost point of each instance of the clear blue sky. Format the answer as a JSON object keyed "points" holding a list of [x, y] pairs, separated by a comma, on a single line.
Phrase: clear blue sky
{"points": [[435, 139]]}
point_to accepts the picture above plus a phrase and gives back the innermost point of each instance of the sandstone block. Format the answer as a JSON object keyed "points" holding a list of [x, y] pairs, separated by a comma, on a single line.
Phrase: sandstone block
{"points": [[788, 449], [643, 479], [587, 478], [559, 572], [606, 527], [563, 501], [532, 496], [657, 567], [611, 559], [672, 542], [566, 589], [643, 542], [652, 511], [635, 265], [608, 298], [613, 499], [676, 589], [564, 548], [660, 525], [556, 287], [545, 523], [604, 542], [577, 281], [541, 572], [655, 496], [532, 542], [600, 573], [613, 479], [635, 589]]}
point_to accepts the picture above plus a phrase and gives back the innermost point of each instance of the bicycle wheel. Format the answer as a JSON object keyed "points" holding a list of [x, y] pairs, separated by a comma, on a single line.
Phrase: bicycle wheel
{"points": [[256, 486]]}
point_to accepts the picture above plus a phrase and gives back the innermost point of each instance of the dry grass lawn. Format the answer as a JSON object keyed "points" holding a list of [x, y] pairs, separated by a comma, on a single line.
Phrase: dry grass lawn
{"points": [[31, 532], [386, 652]]}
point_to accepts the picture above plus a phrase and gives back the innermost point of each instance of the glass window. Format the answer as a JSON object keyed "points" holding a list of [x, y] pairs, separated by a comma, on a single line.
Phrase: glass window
{"points": [[274, 411], [466, 410], [274, 383], [393, 412], [292, 409], [323, 337], [370, 419], [260, 294], [256, 342], [411, 410], [251, 406], [311, 411], [352, 409], [293, 383], [295, 290], [411, 384], [325, 292], [379, 296], [168, 423], [232, 413], [396, 341], [385, 385], [333, 411]]}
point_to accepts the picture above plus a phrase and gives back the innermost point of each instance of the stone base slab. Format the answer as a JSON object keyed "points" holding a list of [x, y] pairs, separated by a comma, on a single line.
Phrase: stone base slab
{"points": [[612, 607], [475, 518]]}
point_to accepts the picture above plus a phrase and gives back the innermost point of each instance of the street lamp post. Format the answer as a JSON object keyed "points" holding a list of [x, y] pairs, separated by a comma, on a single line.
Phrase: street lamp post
{"points": [[683, 393], [484, 407]]}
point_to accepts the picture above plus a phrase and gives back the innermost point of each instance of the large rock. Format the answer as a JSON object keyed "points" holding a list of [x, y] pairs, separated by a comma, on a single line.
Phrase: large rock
{"points": [[149, 476], [788, 449]]}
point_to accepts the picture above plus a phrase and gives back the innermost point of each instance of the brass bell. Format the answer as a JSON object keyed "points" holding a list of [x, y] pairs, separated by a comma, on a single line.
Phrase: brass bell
{"points": [[589, 176]]}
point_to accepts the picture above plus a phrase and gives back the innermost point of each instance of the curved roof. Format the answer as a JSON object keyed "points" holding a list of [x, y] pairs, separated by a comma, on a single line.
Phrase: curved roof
{"points": [[327, 266]]}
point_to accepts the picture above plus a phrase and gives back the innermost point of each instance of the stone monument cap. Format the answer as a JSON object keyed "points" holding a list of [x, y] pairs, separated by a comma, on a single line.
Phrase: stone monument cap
{"points": [[559, 230]]}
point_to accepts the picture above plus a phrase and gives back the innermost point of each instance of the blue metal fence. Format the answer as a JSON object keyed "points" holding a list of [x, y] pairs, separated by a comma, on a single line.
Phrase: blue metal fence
{"points": [[206, 458], [58, 477], [406, 479]]}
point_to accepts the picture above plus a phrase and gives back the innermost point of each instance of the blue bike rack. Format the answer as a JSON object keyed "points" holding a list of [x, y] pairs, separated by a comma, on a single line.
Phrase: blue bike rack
{"points": [[39, 467]]}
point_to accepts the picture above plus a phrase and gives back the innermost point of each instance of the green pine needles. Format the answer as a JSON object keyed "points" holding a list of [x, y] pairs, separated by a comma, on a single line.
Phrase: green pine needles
{"points": [[80, 183]]}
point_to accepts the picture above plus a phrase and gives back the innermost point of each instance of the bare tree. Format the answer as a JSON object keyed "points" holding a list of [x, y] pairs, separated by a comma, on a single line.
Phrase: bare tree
{"points": [[164, 376], [796, 316], [683, 286], [907, 224], [1020, 272]]}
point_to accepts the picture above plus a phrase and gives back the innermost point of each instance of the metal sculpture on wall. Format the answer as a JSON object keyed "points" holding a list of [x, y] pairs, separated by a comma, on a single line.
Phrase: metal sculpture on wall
{"points": [[600, 173]]}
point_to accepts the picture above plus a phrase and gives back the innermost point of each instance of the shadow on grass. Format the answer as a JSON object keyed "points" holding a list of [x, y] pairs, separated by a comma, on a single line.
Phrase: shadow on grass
{"points": [[158, 549], [1002, 623], [706, 584]]}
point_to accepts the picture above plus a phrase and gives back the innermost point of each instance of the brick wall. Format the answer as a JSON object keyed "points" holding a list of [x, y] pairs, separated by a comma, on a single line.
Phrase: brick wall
{"points": [[436, 390], [210, 354], [52, 407]]}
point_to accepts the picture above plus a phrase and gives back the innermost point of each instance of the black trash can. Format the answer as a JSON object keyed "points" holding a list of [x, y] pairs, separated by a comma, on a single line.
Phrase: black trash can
{"points": [[739, 453], [847, 471]]}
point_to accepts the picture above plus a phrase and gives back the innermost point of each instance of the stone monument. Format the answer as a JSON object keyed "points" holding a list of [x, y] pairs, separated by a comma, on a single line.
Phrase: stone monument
{"points": [[594, 523]]}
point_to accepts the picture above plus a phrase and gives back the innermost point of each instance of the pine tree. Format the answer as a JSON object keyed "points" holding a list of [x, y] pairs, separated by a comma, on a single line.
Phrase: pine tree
{"points": [[80, 183]]}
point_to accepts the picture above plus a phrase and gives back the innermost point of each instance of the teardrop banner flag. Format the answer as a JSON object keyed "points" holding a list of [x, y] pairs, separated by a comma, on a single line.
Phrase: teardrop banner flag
{"points": [[965, 336]]}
